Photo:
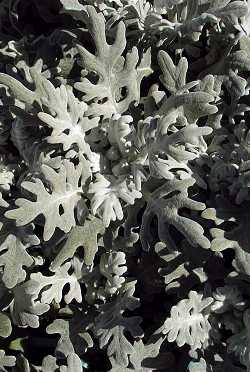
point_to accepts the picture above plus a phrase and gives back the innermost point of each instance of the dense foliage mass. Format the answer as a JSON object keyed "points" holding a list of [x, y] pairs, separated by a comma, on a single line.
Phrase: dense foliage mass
{"points": [[124, 185]]}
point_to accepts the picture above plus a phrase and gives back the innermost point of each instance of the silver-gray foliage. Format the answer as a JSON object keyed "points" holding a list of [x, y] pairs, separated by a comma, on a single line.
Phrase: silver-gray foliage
{"points": [[124, 185]]}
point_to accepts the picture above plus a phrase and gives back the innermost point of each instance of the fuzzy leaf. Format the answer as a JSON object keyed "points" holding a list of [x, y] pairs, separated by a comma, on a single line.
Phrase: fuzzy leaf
{"points": [[25, 310], [74, 335], [74, 364], [111, 324], [173, 77], [188, 323], [81, 236], [165, 202], [65, 193], [6, 361], [5, 326], [66, 118], [49, 364], [106, 194], [13, 258], [51, 287], [113, 266], [200, 366], [193, 105], [113, 70], [237, 237]]}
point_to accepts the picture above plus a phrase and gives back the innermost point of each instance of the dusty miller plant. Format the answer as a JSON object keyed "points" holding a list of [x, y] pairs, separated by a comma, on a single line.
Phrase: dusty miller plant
{"points": [[124, 185]]}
